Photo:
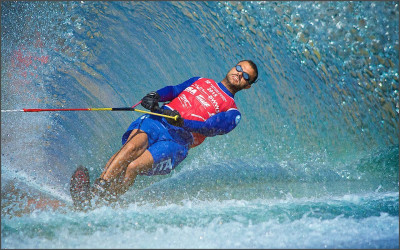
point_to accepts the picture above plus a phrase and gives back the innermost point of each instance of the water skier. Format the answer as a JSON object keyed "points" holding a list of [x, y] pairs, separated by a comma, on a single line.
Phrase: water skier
{"points": [[154, 145]]}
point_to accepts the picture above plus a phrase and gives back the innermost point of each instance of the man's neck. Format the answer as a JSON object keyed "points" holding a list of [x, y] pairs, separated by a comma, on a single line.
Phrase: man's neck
{"points": [[229, 87]]}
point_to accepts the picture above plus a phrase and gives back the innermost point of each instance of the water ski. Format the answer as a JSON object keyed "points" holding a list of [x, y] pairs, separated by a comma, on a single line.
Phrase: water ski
{"points": [[80, 188]]}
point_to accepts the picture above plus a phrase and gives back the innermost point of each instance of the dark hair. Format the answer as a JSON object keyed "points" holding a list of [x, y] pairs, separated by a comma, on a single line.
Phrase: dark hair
{"points": [[254, 66]]}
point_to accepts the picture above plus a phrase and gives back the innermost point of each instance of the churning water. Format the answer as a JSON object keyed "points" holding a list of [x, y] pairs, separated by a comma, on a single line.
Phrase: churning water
{"points": [[314, 163]]}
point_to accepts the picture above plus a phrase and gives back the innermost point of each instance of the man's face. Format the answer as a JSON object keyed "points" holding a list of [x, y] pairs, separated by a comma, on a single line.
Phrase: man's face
{"points": [[235, 78]]}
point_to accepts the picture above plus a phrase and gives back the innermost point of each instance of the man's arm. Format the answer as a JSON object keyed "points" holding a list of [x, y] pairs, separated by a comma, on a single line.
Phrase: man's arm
{"points": [[168, 93], [218, 124]]}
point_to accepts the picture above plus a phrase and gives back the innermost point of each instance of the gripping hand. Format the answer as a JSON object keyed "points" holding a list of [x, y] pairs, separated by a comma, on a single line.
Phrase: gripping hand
{"points": [[178, 122], [150, 101]]}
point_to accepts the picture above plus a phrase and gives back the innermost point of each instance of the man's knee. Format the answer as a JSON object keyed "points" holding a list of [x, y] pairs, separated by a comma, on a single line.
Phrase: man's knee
{"points": [[133, 147], [136, 133], [133, 169], [143, 163], [137, 142]]}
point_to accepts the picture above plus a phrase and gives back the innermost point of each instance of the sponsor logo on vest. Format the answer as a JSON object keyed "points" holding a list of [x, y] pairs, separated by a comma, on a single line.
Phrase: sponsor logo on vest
{"points": [[200, 88], [212, 91], [199, 116], [214, 102], [184, 101], [191, 90], [210, 114], [203, 101], [217, 90]]}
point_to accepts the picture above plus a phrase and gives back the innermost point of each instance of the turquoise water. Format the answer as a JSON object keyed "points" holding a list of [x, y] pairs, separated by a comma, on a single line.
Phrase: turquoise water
{"points": [[314, 163]]}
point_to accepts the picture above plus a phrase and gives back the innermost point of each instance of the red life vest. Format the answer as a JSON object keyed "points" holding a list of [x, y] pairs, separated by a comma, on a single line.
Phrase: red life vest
{"points": [[201, 100]]}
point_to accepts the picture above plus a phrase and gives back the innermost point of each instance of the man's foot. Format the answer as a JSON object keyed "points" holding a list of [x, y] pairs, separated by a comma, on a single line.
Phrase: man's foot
{"points": [[80, 188], [100, 192]]}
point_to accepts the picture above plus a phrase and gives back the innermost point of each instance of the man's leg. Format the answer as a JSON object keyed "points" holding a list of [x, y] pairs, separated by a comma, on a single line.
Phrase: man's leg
{"points": [[141, 164], [130, 151], [110, 179]]}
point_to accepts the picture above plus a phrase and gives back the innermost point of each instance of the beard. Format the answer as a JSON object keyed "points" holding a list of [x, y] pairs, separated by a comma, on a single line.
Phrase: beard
{"points": [[232, 82]]}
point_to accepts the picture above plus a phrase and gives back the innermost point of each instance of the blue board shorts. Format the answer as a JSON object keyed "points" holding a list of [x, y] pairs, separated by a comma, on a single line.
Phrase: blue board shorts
{"points": [[169, 145]]}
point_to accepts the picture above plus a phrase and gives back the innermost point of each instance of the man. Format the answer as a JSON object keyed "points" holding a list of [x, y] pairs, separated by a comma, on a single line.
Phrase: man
{"points": [[154, 145]]}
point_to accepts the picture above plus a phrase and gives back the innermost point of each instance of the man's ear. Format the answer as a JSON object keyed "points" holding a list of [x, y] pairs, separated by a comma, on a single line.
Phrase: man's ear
{"points": [[248, 86]]}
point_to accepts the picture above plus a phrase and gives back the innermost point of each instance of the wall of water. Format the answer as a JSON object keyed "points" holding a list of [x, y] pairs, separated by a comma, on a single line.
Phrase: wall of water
{"points": [[327, 95]]}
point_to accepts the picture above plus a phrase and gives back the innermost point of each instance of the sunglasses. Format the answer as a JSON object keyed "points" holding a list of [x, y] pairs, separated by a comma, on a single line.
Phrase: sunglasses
{"points": [[245, 75]]}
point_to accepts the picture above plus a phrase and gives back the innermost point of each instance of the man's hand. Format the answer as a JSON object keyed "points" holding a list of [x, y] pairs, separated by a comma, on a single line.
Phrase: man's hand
{"points": [[178, 122], [150, 101]]}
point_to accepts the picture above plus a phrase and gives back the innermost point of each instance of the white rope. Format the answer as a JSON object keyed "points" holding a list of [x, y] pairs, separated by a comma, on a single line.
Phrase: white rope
{"points": [[15, 110]]}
